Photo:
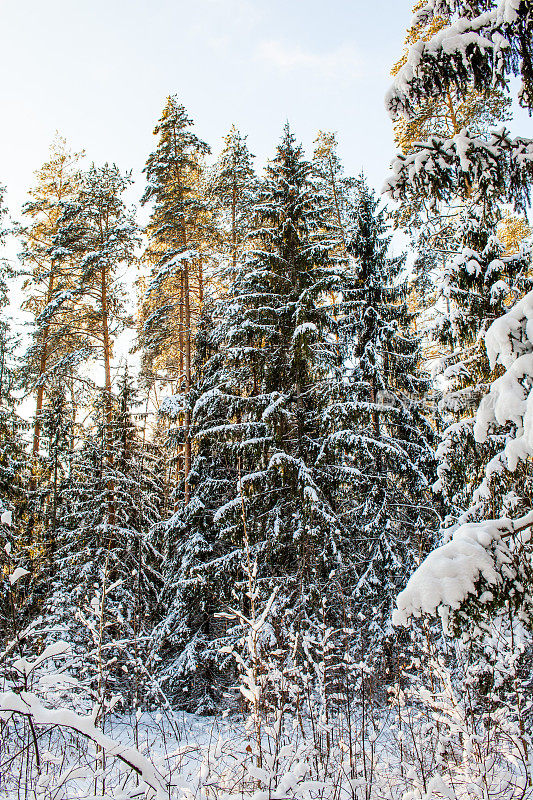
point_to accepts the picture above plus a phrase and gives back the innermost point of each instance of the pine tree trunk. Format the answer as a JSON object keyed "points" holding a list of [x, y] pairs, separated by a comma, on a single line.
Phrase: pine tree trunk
{"points": [[179, 449], [200, 283], [187, 431], [336, 201], [234, 223], [42, 369], [107, 395]]}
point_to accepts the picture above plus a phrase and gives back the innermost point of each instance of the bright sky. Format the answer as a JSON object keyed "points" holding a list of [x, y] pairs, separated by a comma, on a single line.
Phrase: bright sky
{"points": [[98, 71]]}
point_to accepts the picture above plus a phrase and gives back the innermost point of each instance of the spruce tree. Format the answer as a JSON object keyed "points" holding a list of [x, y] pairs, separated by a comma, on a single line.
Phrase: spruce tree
{"points": [[13, 459], [389, 439], [276, 437], [477, 286], [103, 568]]}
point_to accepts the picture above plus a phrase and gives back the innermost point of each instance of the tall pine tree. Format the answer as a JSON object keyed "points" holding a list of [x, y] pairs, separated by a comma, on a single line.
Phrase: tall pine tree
{"points": [[176, 284]]}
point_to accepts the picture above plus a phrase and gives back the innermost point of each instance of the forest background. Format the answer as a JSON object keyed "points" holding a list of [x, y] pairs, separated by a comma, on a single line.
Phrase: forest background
{"points": [[306, 418]]}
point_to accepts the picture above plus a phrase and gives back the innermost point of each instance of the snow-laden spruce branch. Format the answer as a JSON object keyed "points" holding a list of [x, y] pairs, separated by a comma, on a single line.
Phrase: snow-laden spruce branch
{"points": [[486, 33], [478, 551], [451, 573]]}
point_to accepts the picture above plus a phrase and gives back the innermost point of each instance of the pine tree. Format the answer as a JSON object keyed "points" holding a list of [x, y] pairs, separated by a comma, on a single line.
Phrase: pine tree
{"points": [[233, 184], [445, 115], [104, 236], [177, 225], [475, 278], [480, 50], [50, 283], [333, 183], [473, 50], [435, 227]]}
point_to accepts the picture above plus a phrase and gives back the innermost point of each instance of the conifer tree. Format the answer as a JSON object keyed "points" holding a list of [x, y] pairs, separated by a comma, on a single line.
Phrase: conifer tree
{"points": [[474, 277], [177, 225], [10, 472], [13, 459], [50, 283], [233, 185], [104, 236], [435, 227], [111, 565], [390, 441], [478, 284], [479, 49], [276, 437], [335, 186], [473, 50], [57, 436]]}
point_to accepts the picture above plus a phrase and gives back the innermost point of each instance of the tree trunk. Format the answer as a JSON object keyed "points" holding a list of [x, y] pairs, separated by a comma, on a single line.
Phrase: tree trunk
{"points": [[107, 396], [234, 223], [187, 431], [181, 345], [336, 201], [42, 369], [200, 283]]}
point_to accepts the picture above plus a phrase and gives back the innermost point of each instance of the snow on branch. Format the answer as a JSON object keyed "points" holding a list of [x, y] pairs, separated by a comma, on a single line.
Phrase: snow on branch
{"points": [[28, 705], [479, 46], [500, 166], [509, 342], [451, 573]]}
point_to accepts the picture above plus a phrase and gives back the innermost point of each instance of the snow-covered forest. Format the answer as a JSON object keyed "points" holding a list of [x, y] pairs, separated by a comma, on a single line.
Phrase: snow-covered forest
{"points": [[266, 460]]}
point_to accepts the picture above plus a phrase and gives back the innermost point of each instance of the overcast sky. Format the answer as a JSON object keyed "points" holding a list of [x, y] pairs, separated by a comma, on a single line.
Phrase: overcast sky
{"points": [[98, 71]]}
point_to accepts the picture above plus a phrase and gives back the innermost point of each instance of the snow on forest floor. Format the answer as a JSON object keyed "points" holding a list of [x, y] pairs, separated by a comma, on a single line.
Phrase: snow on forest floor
{"points": [[199, 757], [377, 757], [418, 746]]}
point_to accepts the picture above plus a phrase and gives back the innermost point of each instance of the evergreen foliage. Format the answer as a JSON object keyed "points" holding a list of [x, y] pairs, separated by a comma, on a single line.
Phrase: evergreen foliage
{"points": [[284, 417], [105, 570], [233, 184], [385, 436], [480, 46], [476, 288], [173, 172], [13, 458]]}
